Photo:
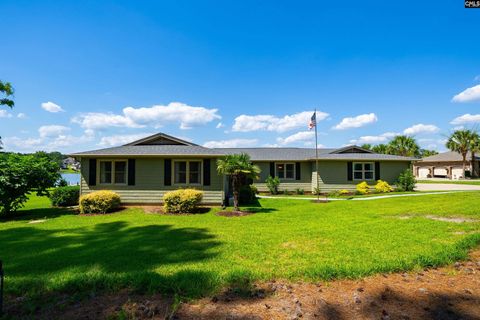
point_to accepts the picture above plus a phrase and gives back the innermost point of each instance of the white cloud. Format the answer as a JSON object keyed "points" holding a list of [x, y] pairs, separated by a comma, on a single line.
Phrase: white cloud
{"points": [[246, 123], [159, 115], [96, 120], [5, 114], [21, 115], [468, 95], [374, 139], [52, 130], [22, 144], [52, 107], [219, 125], [156, 116], [466, 118], [116, 140], [421, 128], [307, 137], [356, 122], [232, 143]]}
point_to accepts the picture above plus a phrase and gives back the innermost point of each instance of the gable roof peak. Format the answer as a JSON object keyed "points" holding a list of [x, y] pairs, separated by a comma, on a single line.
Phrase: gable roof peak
{"points": [[351, 149], [160, 139]]}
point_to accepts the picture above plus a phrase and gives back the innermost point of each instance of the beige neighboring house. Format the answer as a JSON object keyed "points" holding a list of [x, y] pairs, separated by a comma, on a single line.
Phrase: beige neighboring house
{"points": [[447, 165]]}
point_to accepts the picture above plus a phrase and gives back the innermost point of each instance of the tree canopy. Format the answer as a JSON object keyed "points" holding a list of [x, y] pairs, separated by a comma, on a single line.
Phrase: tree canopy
{"points": [[22, 174]]}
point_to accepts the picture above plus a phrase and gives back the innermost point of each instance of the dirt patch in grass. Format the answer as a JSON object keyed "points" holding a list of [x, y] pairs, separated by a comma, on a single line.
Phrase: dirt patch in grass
{"points": [[160, 210], [451, 292], [451, 219], [235, 213]]}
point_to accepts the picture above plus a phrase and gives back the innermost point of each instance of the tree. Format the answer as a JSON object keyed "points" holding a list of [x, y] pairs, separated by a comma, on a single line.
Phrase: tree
{"points": [[367, 146], [237, 167], [474, 149], [380, 148], [403, 146], [459, 141], [427, 153], [22, 174], [7, 90]]}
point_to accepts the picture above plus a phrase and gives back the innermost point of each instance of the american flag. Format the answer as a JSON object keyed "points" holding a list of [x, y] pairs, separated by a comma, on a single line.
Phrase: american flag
{"points": [[313, 121]]}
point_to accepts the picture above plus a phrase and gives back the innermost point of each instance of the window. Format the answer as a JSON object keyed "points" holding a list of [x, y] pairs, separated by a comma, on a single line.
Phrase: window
{"points": [[285, 170], [120, 172], [187, 172], [113, 172], [105, 172], [180, 172], [194, 172], [363, 171]]}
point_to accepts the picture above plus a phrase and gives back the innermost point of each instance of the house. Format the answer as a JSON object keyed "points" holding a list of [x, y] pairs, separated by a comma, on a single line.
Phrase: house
{"points": [[143, 170], [444, 165]]}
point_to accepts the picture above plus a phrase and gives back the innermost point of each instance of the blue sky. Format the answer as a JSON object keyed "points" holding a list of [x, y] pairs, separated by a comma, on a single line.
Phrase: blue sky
{"points": [[93, 74]]}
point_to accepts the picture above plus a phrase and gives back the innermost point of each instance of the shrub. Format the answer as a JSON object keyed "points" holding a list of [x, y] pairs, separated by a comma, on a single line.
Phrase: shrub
{"points": [[334, 193], [254, 189], [316, 191], [383, 186], [363, 188], [62, 182], [406, 181], [65, 196], [344, 192], [285, 191], [272, 184], [247, 194], [99, 202], [182, 200]]}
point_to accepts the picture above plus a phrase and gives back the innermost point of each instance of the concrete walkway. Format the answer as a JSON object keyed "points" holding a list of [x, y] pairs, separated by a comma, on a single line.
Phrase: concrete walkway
{"points": [[362, 198], [445, 187]]}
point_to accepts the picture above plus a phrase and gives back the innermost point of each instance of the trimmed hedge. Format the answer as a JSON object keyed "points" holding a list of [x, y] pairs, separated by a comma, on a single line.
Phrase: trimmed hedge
{"points": [[65, 196], [182, 201], [99, 202]]}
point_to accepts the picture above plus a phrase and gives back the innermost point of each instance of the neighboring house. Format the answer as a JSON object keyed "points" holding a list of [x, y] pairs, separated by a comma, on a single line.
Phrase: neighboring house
{"points": [[70, 162], [444, 165], [142, 171]]}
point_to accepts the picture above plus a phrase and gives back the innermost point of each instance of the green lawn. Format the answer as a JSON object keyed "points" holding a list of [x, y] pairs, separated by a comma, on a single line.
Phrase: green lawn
{"points": [[474, 182], [69, 170], [195, 255]]}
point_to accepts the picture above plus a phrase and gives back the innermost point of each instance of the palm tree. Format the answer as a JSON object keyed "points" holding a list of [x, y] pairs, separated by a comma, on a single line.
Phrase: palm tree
{"points": [[403, 146], [474, 148], [237, 166], [459, 141], [380, 148]]}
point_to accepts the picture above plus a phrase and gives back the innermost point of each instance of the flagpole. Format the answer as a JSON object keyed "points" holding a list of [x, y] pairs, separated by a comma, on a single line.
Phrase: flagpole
{"points": [[316, 155]]}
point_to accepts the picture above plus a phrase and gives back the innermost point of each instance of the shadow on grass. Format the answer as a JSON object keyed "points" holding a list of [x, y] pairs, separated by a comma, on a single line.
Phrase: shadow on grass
{"points": [[108, 256], [256, 207], [40, 213]]}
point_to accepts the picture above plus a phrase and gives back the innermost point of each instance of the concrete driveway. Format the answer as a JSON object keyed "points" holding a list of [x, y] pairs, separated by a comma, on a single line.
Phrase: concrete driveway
{"points": [[445, 187]]}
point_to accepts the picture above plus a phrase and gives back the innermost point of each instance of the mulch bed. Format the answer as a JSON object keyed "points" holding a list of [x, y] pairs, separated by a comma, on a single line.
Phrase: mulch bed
{"points": [[235, 213]]}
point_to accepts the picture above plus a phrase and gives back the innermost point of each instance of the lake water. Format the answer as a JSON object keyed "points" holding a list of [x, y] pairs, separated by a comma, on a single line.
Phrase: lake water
{"points": [[72, 178]]}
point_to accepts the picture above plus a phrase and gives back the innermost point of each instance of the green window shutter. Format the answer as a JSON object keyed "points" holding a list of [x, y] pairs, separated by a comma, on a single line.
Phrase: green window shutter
{"points": [[168, 172], [92, 172], [298, 174], [377, 170], [206, 172], [272, 169], [349, 171], [131, 172]]}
